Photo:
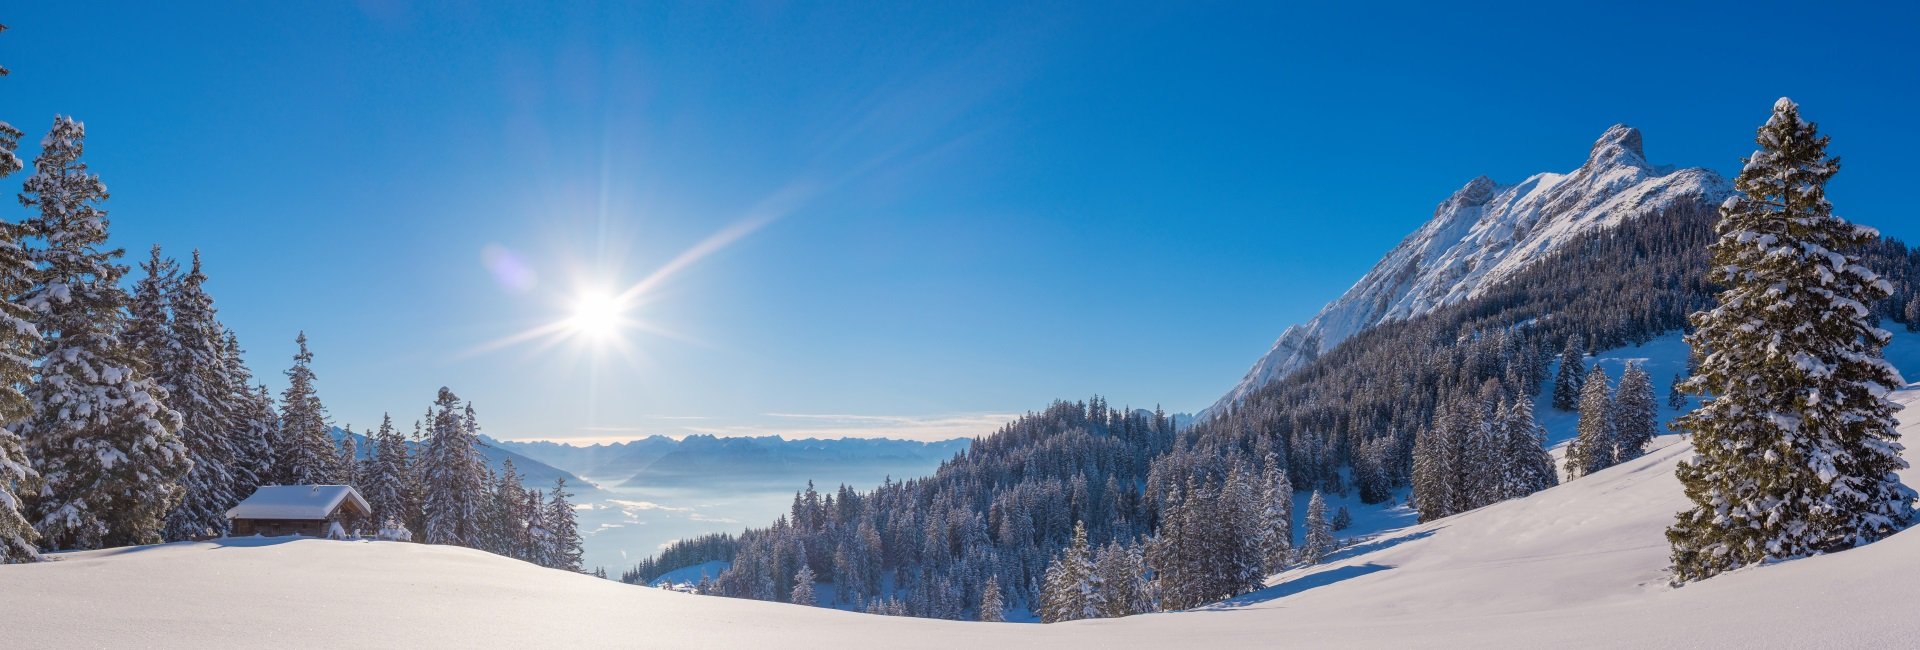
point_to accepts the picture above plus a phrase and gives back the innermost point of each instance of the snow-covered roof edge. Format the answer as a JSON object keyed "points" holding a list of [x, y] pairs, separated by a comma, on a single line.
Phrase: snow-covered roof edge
{"points": [[288, 502]]}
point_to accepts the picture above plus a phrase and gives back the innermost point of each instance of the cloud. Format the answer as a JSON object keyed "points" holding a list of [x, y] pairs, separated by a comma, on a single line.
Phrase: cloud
{"points": [[853, 425], [630, 506]]}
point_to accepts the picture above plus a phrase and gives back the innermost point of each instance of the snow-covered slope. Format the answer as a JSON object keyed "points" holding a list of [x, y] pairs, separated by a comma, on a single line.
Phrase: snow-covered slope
{"points": [[1484, 233], [1580, 565]]}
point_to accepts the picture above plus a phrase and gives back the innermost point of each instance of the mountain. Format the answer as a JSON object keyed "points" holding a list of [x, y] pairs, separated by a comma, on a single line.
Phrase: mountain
{"points": [[1486, 233], [1582, 564], [657, 461]]}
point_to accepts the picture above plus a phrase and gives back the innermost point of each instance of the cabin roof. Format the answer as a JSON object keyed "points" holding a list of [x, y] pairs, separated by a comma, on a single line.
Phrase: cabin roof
{"points": [[296, 502]]}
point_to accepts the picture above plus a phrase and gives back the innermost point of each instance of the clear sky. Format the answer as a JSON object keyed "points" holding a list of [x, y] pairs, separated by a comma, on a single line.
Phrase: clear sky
{"points": [[904, 220]]}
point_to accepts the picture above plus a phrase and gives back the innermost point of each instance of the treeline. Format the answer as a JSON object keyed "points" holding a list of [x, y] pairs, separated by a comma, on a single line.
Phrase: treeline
{"points": [[716, 547], [997, 513]]}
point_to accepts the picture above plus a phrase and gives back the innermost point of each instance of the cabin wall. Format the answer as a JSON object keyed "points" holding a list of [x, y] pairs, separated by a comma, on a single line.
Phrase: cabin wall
{"points": [[279, 527]]}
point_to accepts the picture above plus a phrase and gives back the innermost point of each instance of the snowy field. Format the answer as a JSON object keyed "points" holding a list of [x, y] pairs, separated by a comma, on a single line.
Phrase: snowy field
{"points": [[1580, 565]]}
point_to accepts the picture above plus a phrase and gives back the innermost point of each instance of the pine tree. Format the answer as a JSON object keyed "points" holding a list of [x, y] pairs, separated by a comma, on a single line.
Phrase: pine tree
{"points": [[1529, 468], [1342, 519], [1568, 381], [347, 468], [1481, 467], [506, 527], [992, 609], [454, 484], [1123, 581], [147, 332], [564, 532], [1432, 487], [540, 545], [101, 433], [1320, 541], [1797, 450], [252, 420], [304, 451], [1635, 414], [384, 480], [1593, 448], [1242, 520], [1279, 513], [1069, 593], [1677, 398], [19, 343], [1913, 313], [194, 370], [803, 587]]}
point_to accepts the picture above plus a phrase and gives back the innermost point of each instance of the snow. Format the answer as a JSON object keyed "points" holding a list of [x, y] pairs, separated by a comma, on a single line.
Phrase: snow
{"points": [[295, 502], [1580, 565], [691, 575], [1483, 234], [1576, 566]]}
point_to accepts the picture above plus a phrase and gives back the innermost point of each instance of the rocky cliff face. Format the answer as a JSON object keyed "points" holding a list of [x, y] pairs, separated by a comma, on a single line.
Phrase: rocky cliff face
{"points": [[1481, 235]]}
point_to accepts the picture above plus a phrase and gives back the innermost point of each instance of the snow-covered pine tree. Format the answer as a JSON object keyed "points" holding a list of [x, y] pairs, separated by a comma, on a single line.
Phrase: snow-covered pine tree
{"points": [[383, 477], [347, 467], [993, 608], [19, 344], [1912, 313], [1796, 447], [1123, 581], [1593, 447], [1279, 513], [803, 587], [1635, 413], [539, 536], [1166, 553], [1320, 540], [1069, 593], [147, 331], [1437, 464], [1481, 463], [1529, 468], [453, 483], [304, 451], [101, 433], [252, 419], [506, 528], [1241, 516], [1342, 519], [194, 370], [564, 535], [1677, 398], [1568, 380]]}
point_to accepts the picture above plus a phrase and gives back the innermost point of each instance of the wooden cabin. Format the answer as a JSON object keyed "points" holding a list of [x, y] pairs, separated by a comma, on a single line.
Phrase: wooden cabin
{"points": [[309, 510]]}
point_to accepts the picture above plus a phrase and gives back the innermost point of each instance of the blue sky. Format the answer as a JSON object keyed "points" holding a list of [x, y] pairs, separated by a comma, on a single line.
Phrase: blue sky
{"points": [[936, 214]]}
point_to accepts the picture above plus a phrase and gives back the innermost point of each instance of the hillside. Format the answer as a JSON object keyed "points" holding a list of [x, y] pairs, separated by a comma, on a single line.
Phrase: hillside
{"points": [[1484, 234], [1580, 565]]}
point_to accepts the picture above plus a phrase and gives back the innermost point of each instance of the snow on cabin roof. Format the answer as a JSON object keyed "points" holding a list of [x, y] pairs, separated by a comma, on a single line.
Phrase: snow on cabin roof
{"points": [[295, 502]]}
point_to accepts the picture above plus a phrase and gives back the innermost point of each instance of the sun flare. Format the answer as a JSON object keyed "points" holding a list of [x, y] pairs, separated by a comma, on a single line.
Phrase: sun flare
{"points": [[596, 315]]}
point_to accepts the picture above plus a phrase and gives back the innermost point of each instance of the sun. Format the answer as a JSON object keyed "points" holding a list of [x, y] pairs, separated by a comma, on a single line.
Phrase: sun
{"points": [[597, 315]]}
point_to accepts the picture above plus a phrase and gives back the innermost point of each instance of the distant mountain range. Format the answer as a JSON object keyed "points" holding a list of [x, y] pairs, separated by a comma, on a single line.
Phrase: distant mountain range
{"points": [[657, 461], [534, 474]]}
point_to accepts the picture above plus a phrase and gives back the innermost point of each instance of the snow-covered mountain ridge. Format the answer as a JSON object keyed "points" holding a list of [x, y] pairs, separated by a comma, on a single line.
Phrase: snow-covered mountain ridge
{"points": [[1484, 233]]}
